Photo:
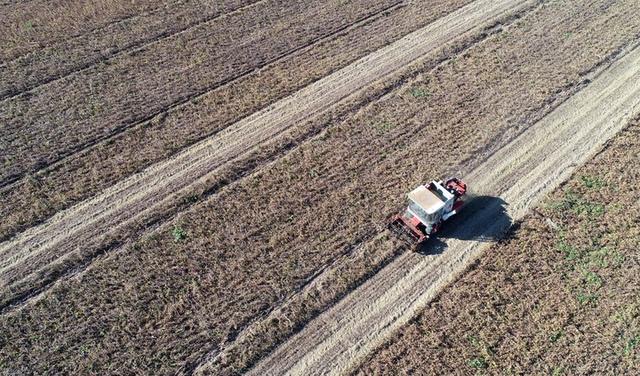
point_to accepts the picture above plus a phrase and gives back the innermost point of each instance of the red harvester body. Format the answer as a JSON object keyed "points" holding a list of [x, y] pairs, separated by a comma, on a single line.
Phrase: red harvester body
{"points": [[429, 206]]}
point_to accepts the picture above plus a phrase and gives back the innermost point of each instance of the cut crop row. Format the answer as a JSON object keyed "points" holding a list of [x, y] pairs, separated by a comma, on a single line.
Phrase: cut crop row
{"points": [[560, 296], [68, 115], [78, 177], [243, 251]]}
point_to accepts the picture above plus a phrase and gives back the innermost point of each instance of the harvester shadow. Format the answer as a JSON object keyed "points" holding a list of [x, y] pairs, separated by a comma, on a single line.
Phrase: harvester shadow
{"points": [[483, 218]]}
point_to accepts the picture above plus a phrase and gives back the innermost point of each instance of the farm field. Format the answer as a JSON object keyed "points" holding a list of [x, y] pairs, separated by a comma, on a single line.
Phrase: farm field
{"points": [[98, 161], [559, 296], [207, 192]]}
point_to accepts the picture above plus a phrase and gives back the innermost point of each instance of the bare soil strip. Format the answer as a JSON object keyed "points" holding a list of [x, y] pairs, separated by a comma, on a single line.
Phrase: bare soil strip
{"points": [[520, 174], [28, 255]]}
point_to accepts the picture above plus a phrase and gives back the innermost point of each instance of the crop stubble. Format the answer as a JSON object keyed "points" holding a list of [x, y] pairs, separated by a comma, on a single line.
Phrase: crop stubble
{"points": [[37, 197], [322, 187], [28, 26], [73, 234]]}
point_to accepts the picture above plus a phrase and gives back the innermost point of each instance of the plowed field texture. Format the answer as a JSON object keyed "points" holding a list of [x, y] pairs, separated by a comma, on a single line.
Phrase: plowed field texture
{"points": [[202, 187]]}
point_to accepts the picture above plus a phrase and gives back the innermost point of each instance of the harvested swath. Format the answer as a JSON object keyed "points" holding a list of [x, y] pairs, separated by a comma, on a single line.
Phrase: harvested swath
{"points": [[559, 296], [181, 298], [55, 54], [73, 113], [76, 178]]}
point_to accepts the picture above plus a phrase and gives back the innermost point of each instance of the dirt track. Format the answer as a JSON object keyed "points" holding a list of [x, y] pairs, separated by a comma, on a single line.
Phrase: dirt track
{"points": [[520, 174], [28, 256]]}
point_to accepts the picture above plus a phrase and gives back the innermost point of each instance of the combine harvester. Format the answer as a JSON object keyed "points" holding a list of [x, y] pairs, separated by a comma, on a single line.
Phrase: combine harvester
{"points": [[429, 206]]}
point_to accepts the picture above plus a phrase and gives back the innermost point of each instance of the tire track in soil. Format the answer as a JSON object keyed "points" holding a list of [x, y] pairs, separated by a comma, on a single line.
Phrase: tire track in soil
{"points": [[307, 285], [156, 220], [67, 232], [8, 182], [520, 173], [143, 43]]}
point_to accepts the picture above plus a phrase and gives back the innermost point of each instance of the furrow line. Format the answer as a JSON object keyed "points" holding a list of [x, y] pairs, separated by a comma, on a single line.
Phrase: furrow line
{"points": [[215, 349], [24, 297], [90, 31]]}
